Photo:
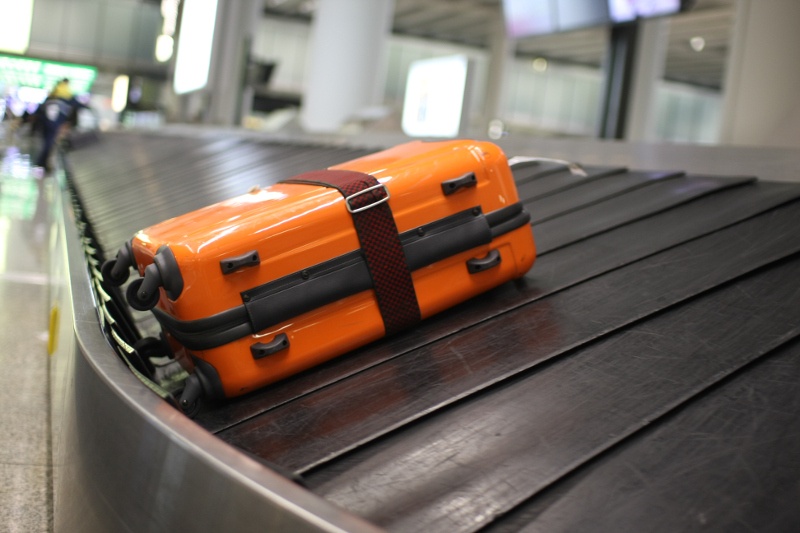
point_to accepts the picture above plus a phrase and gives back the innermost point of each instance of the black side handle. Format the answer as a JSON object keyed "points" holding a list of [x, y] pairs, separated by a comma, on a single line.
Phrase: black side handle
{"points": [[232, 264], [263, 349], [482, 264], [461, 182]]}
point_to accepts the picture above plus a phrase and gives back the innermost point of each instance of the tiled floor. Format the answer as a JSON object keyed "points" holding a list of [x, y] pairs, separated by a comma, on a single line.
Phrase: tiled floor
{"points": [[25, 458]]}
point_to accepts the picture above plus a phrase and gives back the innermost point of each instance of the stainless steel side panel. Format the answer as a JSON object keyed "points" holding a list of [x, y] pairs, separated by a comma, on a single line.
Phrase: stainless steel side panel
{"points": [[124, 460]]}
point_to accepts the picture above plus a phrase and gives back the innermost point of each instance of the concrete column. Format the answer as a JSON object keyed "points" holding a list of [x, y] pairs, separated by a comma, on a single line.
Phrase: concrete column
{"points": [[228, 96], [648, 70], [761, 99], [501, 54], [346, 63]]}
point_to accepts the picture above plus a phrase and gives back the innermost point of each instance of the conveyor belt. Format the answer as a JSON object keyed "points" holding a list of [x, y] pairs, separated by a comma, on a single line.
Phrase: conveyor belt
{"points": [[650, 336], [727, 457]]}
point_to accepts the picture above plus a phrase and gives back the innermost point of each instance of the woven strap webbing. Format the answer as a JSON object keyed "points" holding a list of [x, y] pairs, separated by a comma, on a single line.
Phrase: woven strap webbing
{"points": [[366, 199]]}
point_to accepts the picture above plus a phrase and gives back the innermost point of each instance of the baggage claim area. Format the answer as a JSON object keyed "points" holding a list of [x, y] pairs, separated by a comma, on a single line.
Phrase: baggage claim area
{"points": [[642, 374]]}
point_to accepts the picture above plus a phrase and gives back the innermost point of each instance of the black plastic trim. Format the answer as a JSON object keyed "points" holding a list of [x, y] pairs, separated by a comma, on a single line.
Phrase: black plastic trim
{"points": [[263, 349], [482, 264], [209, 332], [327, 282], [456, 184], [229, 265], [298, 293], [171, 278], [209, 379]]}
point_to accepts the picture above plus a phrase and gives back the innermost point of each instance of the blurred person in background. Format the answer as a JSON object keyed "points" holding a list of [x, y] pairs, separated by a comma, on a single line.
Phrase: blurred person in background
{"points": [[53, 118]]}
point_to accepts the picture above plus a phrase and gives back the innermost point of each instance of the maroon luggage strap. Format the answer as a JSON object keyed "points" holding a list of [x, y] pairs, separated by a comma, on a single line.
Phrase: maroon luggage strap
{"points": [[367, 201]]}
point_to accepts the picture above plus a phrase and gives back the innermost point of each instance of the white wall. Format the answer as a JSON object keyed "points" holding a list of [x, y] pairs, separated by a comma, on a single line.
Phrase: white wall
{"points": [[96, 32], [762, 96], [564, 99]]}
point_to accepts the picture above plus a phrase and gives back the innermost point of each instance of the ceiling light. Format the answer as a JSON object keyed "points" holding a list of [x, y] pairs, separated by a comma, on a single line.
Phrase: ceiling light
{"points": [[697, 43], [539, 64], [119, 93], [165, 45], [17, 17]]}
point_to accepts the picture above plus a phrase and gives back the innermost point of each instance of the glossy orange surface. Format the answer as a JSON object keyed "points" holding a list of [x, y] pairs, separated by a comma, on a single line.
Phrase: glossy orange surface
{"points": [[295, 226]]}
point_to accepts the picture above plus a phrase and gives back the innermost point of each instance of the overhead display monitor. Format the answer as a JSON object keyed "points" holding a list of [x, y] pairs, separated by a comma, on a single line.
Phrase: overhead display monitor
{"points": [[195, 40], [529, 17], [525, 18], [627, 10]]}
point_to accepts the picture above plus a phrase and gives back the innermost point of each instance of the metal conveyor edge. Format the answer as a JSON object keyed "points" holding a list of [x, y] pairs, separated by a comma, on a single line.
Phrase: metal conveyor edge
{"points": [[111, 437]]}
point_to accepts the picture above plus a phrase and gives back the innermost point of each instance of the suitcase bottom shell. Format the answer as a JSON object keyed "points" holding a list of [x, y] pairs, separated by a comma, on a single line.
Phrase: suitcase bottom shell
{"points": [[307, 340]]}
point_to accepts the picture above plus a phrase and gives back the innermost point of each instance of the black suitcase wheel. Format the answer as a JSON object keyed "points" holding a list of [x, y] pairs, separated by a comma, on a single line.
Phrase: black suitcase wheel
{"points": [[137, 300], [114, 276], [192, 396]]}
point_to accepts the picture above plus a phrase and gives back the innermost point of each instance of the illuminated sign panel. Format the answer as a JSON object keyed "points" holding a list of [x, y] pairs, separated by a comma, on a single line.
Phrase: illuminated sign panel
{"points": [[435, 97], [39, 74], [15, 34], [194, 45]]}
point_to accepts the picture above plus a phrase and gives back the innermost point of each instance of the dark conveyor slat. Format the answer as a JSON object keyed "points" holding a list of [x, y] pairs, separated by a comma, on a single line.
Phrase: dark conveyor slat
{"points": [[603, 189], [556, 271], [626, 208], [338, 419], [551, 180], [712, 466], [501, 448]]}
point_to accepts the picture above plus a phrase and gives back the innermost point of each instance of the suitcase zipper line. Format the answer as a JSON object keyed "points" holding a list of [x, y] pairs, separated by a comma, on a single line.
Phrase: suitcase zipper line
{"points": [[339, 277]]}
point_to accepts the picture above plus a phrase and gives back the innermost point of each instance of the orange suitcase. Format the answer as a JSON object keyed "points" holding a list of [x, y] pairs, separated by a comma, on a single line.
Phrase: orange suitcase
{"points": [[257, 288]]}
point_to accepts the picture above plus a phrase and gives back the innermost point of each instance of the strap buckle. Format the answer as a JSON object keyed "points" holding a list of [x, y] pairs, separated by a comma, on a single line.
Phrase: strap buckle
{"points": [[353, 210]]}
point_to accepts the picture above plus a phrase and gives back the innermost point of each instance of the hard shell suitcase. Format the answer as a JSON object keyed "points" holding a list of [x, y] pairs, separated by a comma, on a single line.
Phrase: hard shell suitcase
{"points": [[257, 288]]}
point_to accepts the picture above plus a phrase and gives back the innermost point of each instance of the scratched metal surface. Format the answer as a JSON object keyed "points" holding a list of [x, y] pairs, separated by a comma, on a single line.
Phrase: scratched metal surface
{"points": [[640, 376]]}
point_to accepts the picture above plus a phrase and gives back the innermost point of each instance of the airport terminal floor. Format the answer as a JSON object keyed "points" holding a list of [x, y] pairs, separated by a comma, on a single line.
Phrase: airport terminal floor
{"points": [[25, 459], [641, 376]]}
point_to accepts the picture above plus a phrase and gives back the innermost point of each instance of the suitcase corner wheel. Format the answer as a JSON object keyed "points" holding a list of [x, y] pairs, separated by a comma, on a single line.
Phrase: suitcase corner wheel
{"points": [[203, 383], [143, 293], [384, 240], [116, 271]]}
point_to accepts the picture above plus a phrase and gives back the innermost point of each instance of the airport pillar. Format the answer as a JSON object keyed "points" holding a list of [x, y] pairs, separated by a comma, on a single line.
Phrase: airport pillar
{"points": [[229, 97], [761, 101], [346, 62], [501, 53], [648, 70], [618, 80]]}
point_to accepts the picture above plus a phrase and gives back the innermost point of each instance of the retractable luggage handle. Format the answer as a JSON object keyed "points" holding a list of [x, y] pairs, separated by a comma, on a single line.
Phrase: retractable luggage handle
{"points": [[366, 200]]}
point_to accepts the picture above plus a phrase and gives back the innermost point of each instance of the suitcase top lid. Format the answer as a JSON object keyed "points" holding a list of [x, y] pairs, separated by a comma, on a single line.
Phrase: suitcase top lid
{"points": [[268, 209], [423, 156]]}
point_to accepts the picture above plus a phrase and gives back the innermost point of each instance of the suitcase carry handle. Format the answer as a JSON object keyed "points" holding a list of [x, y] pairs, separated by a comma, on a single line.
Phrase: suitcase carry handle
{"points": [[263, 349], [461, 182], [520, 161], [232, 264], [483, 264]]}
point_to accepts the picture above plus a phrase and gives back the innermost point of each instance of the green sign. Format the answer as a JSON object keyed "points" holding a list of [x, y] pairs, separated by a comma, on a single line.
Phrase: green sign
{"points": [[40, 74]]}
